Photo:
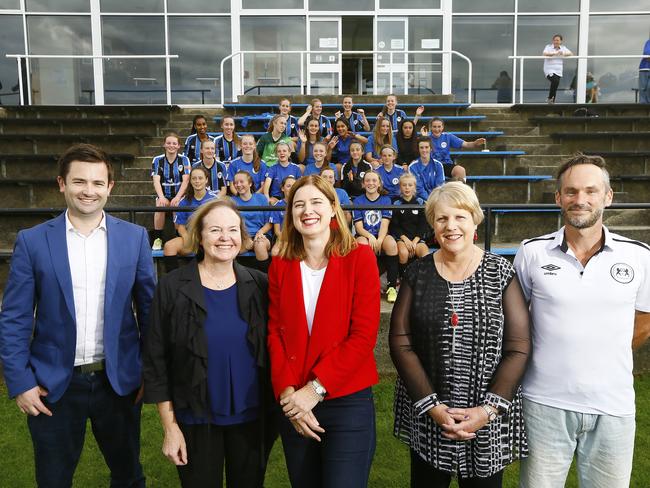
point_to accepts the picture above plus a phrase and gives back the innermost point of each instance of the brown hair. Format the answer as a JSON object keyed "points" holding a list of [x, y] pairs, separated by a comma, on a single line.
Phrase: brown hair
{"points": [[274, 120], [189, 192], [341, 241], [235, 137], [195, 225], [257, 161], [248, 175], [173, 134], [380, 140], [85, 153], [578, 159]]}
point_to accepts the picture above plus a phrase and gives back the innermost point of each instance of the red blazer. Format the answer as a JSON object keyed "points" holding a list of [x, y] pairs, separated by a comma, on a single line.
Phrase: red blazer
{"points": [[340, 350]]}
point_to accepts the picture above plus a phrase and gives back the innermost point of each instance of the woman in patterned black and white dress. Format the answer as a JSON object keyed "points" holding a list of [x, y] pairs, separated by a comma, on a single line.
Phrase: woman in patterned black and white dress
{"points": [[460, 340]]}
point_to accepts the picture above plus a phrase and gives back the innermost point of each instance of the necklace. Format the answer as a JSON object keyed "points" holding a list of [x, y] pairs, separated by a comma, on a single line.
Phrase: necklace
{"points": [[219, 284], [318, 268], [454, 320]]}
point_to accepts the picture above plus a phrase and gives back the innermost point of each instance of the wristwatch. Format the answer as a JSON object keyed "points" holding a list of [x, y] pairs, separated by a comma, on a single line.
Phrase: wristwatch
{"points": [[491, 412], [318, 389]]}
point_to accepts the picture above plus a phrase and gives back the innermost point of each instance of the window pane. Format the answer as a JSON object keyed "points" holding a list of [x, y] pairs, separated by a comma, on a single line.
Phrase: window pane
{"points": [[409, 4], [59, 34], [425, 70], [134, 80], [129, 6], [9, 4], [471, 35], [533, 34], [196, 68], [342, 5], [617, 34], [484, 6], [58, 6], [198, 6], [619, 5], [275, 4], [272, 73], [549, 5], [11, 40]]}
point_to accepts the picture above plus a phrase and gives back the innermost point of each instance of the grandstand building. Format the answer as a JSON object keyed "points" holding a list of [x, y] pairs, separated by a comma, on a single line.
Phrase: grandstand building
{"points": [[171, 51]]}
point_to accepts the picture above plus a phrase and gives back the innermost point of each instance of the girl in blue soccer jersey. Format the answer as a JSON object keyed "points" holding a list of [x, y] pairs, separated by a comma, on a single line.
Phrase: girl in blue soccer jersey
{"points": [[381, 136], [250, 162], [372, 229], [197, 137], [197, 194], [217, 173], [256, 221], [353, 171], [389, 171], [315, 111], [277, 218], [170, 173], [275, 174], [307, 139], [319, 152], [356, 120], [292, 127], [228, 143], [339, 145], [395, 115]]}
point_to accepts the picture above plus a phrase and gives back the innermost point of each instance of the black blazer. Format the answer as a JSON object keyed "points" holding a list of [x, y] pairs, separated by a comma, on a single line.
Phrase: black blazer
{"points": [[175, 348]]}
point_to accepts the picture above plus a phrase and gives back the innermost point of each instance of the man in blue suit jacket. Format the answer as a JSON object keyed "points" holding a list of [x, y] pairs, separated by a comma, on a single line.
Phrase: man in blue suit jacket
{"points": [[73, 316]]}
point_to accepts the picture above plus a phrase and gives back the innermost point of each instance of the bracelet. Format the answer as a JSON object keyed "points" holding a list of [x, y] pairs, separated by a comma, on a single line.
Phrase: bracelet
{"points": [[491, 412]]}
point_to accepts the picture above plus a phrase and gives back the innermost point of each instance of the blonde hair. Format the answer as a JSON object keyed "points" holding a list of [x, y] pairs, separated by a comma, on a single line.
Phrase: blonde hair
{"points": [[340, 242], [195, 225], [455, 194]]}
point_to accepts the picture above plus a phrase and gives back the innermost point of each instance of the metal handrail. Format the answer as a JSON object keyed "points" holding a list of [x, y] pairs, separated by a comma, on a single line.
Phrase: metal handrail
{"points": [[27, 57], [304, 53], [580, 86], [488, 210]]}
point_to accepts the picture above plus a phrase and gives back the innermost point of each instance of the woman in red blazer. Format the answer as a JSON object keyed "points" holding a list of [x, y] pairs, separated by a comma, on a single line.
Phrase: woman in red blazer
{"points": [[323, 323]]}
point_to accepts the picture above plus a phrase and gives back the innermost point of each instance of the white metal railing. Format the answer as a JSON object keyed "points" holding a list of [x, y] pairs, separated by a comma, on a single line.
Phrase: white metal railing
{"points": [[518, 74], [27, 57], [389, 67]]}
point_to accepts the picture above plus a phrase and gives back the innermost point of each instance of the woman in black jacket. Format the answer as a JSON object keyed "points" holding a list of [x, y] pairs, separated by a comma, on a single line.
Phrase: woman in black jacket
{"points": [[205, 359]]}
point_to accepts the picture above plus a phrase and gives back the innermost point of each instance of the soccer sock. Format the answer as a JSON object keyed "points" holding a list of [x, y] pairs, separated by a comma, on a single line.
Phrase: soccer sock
{"points": [[392, 270]]}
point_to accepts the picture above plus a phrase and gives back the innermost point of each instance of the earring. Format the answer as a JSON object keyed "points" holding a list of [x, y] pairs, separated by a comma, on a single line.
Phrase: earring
{"points": [[475, 235], [334, 224]]}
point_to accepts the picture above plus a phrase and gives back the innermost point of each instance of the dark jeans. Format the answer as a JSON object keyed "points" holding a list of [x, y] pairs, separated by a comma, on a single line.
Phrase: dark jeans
{"points": [[555, 82], [115, 422], [209, 446], [344, 455], [423, 475]]}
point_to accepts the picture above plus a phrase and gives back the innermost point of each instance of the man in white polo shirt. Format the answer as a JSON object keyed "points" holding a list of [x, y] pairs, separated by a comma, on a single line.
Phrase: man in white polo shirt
{"points": [[589, 294]]}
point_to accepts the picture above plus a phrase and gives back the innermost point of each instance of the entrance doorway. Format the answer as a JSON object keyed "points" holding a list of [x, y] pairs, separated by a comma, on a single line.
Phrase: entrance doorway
{"points": [[357, 68]]}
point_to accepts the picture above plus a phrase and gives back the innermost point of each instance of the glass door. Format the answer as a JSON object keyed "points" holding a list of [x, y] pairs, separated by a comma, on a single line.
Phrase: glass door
{"points": [[323, 61], [391, 62]]}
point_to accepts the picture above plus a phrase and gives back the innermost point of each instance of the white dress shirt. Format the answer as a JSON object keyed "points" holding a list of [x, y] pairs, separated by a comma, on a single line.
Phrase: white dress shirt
{"points": [[87, 258]]}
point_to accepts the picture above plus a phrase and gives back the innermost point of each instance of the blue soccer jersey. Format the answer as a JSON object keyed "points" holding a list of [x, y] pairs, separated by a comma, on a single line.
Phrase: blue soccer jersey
{"points": [[344, 198], [390, 179], [277, 173], [240, 165], [278, 217], [341, 151], [181, 218], [442, 146], [193, 147], [355, 121], [226, 150], [427, 177], [170, 172], [371, 219], [254, 220], [396, 118], [312, 169], [370, 146], [217, 175]]}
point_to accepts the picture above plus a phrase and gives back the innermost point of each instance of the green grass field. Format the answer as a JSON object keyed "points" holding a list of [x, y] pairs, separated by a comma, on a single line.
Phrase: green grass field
{"points": [[390, 466]]}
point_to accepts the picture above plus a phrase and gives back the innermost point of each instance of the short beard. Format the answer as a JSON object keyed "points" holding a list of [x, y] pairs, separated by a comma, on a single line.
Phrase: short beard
{"points": [[583, 222]]}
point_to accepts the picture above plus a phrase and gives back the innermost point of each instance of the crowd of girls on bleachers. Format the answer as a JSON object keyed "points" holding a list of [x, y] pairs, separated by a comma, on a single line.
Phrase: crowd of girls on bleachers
{"points": [[392, 163]]}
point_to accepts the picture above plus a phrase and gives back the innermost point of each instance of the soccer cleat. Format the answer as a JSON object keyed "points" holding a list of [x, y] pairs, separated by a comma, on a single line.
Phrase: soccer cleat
{"points": [[157, 244], [391, 295]]}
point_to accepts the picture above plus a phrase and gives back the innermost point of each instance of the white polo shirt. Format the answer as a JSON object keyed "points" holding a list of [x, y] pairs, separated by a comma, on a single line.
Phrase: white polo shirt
{"points": [[583, 322], [554, 65]]}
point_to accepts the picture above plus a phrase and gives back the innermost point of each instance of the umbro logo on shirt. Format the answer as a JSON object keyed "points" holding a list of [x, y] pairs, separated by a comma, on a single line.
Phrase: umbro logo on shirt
{"points": [[550, 269]]}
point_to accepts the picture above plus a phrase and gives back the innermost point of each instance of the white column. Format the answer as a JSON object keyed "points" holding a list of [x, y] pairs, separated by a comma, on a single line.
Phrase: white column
{"points": [[98, 63], [235, 46], [582, 50], [446, 46]]}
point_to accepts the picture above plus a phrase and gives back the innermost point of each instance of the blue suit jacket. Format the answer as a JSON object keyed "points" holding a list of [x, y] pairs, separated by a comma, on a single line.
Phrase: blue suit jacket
{"points": [[37, 322]]}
